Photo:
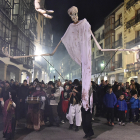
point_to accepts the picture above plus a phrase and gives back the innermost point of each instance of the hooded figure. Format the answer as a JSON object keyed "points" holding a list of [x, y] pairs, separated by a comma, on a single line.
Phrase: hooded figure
{"points": [[35, 115], [9, 118]]}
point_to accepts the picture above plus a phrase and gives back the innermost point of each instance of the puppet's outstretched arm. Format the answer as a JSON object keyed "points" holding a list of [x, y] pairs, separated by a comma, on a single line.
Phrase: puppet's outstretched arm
{"points": [[5, 51], [39, 6], [109, 50]]}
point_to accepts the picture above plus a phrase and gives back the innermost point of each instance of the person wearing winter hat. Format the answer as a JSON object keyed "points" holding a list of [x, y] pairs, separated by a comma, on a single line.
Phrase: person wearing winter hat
{"points": [[122, 109], [135, 106], [110, 101]]}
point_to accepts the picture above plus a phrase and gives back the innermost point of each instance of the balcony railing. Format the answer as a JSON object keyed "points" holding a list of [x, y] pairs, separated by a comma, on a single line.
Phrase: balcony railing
{"points": [[133, 67], [118, 64], [6, 6], [17, 20], [98, 39], [16, 52], [117, 44], [108, 46], [133, 43], [28, 63], [109, 68], [4, 44], [102, 36], [133, 21], [118, 23], [130, 3], [98, 53], [108, 28]]}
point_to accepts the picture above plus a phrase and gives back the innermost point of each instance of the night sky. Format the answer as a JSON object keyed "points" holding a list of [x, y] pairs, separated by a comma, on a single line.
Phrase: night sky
{"points": [[93, 10]]}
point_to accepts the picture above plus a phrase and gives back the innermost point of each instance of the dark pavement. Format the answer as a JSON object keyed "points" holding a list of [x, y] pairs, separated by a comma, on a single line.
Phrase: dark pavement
{"points": [[102, 132]]}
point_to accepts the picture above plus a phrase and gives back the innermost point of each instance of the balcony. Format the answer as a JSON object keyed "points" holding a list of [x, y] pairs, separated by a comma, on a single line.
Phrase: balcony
{"points": [[18, 20], [133, 43], [117, 44], [6, 6], [109, 28], [133, 21], [133, 67], [98, 53], [118, 23], [118, 64], [16, 52], [98, 38], [102, 36], [109, 68], [4, 44], [130, 3], [28, 63]]}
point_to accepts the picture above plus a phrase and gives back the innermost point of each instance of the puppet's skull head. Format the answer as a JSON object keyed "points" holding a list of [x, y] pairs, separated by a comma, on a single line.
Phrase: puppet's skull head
{"points": [[73, 13]]}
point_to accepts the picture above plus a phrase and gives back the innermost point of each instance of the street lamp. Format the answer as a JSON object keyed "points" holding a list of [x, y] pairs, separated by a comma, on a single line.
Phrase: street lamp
{"points": [[102, 64], [38, 52]]}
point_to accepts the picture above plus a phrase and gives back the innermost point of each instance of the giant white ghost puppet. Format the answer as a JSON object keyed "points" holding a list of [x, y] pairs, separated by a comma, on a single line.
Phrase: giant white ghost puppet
{"points": [[77, 41]]}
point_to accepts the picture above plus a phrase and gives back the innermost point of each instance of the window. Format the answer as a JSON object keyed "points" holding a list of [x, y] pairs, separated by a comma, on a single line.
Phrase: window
{"points": [[120, 36], [101, 45], [120, 59], [15, 10], [138, 33], [138, 11], [120, 16], [138, 15]]}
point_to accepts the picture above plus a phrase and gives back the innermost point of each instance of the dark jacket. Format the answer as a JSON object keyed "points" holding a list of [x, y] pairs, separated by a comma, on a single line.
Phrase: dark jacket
{"points": [[23, 92], [118, 93], [122, 105], [135, 103], [110, 100], [15, 88], [5, 93], [78, 95]]}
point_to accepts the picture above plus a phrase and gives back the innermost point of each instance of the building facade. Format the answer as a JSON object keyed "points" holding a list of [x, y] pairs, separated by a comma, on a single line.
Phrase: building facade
{"points": [[21, 31], [121, 31], [132, 38], [98, 56], [111, 65]]}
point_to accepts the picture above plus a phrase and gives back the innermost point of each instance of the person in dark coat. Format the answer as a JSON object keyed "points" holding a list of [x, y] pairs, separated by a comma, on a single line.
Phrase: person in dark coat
{"points": [[101, 93], [135, 106], [95, 98], [5, 93], [23, 93], [15, 87], [110, 101], [118, 91], [122, 109]]}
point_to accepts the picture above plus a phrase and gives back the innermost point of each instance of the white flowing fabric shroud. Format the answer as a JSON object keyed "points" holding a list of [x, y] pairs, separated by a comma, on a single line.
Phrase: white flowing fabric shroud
{"points": [[77, 41]]}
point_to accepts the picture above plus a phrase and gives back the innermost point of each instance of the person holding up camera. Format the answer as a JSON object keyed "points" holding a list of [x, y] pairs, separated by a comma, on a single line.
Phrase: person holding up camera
{"points": [[75, 105]]}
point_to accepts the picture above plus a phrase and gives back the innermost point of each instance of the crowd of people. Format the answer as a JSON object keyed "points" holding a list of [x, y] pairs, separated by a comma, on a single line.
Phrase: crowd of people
{"points": [[53, 103]]}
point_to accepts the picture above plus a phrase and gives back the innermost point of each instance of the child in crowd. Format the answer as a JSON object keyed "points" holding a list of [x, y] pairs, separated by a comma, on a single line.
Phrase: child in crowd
{"points": [[122, 109], [135, 106], [110, 101], [127, 99]]}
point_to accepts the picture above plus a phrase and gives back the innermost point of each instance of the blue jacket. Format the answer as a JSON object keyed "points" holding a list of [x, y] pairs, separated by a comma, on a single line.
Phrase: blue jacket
{"points": [[135, 103], [110, 100], [122, 105]]}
